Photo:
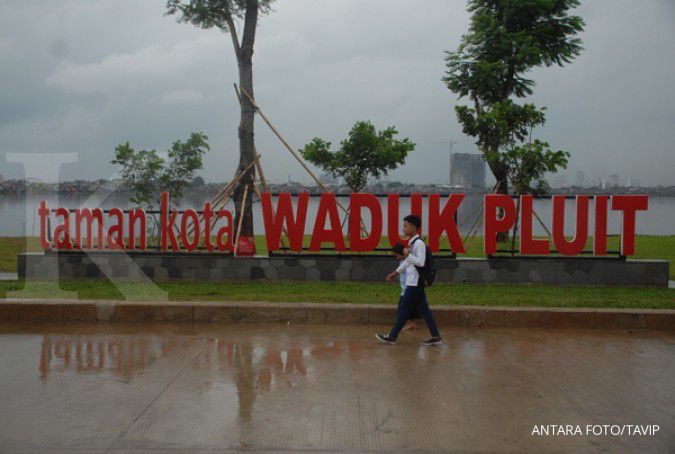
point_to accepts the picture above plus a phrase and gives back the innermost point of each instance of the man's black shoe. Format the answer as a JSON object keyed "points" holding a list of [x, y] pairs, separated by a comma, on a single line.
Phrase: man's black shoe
{"points": [[385, 339], [432, 341]]}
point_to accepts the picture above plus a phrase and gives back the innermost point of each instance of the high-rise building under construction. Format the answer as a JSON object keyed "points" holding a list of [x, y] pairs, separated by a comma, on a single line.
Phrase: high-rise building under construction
{"points": [[467, 170]]}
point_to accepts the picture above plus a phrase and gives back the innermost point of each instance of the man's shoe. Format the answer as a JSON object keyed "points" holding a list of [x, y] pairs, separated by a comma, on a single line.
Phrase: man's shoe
{"points": [[385, 339], [432, 341]]}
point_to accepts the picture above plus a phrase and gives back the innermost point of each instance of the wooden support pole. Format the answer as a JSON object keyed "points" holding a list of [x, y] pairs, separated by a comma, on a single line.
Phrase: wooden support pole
{"points": [[515, 227], [471, 230], [548, 232], [259, 168], [293, 152], [283, 228], [241, 218], [226, 192], [473, 213], [480, 216], [263, 181], [283, 141]]}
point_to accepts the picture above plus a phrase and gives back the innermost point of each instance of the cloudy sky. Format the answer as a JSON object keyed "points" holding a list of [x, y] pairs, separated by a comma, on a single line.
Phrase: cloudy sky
{"points": [[81, 76]]}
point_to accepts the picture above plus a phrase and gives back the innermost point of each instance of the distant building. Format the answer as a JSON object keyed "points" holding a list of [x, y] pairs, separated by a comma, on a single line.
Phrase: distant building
{"points": [[579, 179], [559, 180], [467, 170], [613, 180]]}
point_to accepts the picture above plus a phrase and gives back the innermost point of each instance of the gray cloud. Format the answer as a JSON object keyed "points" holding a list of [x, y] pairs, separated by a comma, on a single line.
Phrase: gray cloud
{"points": [[82, 76]]}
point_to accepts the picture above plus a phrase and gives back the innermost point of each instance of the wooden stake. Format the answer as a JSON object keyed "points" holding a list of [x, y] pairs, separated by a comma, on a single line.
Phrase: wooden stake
{"points": [[548, 232], [294, 153], [257, 164], [228, 188], [241, 218], [515, 227], [474, 234]]}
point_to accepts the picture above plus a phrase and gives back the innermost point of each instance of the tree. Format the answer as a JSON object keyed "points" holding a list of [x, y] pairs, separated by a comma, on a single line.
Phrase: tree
{"points": [[223, 14], [506, 39], [149, 175], [528, 164], [366, 153], [197, 182]]}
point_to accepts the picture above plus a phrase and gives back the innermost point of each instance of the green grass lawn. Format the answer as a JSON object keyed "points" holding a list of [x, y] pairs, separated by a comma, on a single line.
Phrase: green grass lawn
{"points": [[647, 247], [662, 247], [359, 293]]}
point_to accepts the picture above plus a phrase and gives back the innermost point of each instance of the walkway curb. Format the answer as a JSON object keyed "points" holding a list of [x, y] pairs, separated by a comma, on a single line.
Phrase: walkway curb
{"points": [[34, 310]]}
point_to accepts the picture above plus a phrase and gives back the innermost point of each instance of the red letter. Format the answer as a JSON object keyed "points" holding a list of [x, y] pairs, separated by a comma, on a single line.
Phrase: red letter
{"points": [[629, 204], [577, 245], [356, 202], [274, 223], [600, 233], [528, 245], [494, 225], [393, 216], [116, 232], [207, 214], [327, 206], [43, 212], [187, 214], [89, 217], [138, 213], [63, 229], [228, 246], [167, 224], [445, 221]]}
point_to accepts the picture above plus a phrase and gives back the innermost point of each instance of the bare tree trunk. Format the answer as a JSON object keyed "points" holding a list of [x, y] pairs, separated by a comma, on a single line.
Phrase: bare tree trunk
{"points": [[246, 136]]}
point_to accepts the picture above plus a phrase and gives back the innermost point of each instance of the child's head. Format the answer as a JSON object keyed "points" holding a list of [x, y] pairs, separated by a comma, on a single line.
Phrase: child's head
{"points": [[398, 251], [411, 224]]}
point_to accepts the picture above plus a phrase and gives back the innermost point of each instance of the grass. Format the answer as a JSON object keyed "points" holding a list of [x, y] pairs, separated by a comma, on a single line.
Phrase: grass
{"points": [[359, 293], [655, 247], [647, 247]]}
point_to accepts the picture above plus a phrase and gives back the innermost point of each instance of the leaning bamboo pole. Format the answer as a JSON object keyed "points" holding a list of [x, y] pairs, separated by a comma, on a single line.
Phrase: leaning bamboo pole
{"points": [[293, 152], [548, 232], [263, 180], [226, 193], [283, 141], [241, 218], [468, 245], [227, 198], [480, 215], [515, 227]]}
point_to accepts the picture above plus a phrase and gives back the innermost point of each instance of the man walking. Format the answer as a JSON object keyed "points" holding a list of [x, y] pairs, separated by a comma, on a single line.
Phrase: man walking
{"points": [[415, 257]]}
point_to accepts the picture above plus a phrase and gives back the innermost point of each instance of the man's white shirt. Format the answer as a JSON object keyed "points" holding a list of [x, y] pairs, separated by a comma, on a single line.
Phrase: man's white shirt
{"points": [[417, 253]]}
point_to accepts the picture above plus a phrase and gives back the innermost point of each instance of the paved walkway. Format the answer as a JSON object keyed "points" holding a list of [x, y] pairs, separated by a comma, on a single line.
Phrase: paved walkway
{"points": [[323, 388]]}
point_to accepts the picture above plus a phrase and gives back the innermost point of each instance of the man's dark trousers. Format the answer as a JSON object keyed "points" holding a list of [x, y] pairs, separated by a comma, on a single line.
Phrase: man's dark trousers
{"points": [[412, 296]]}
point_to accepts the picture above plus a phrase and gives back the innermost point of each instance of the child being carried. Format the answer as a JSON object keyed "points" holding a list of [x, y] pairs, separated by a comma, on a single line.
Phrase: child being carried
{"points": [[410, 323]]}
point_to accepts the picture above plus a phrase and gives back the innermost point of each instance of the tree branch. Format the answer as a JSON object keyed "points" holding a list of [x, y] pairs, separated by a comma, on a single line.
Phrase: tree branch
{"points": [[233, 34], [250, 26]]}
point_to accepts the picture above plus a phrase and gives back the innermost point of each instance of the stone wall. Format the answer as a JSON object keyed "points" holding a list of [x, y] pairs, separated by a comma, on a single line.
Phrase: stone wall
{"points": [[139, 266]]}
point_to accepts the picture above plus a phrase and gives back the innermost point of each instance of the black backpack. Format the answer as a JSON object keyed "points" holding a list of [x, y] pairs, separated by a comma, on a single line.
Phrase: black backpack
{"points": [[428, 271]]}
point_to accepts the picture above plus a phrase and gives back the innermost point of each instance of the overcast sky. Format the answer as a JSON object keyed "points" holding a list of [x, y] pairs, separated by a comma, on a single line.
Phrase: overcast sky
{"points": [[85, 75]]}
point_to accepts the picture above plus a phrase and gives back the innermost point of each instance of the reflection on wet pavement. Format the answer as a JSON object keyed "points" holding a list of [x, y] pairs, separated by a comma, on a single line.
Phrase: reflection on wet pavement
{"points": [[117, 387]]}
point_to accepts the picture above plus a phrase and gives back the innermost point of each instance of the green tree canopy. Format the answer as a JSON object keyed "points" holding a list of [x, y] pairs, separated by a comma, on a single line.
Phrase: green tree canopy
{"points": [[149, 175], [506, 39], [365, 153]]}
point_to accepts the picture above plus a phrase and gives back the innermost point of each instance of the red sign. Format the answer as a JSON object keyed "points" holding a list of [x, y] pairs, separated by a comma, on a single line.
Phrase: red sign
{"points": [[185, 231]]}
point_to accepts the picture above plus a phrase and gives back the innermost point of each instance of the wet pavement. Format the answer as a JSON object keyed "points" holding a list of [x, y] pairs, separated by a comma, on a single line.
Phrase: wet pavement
{"points": [[323, 388]]}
